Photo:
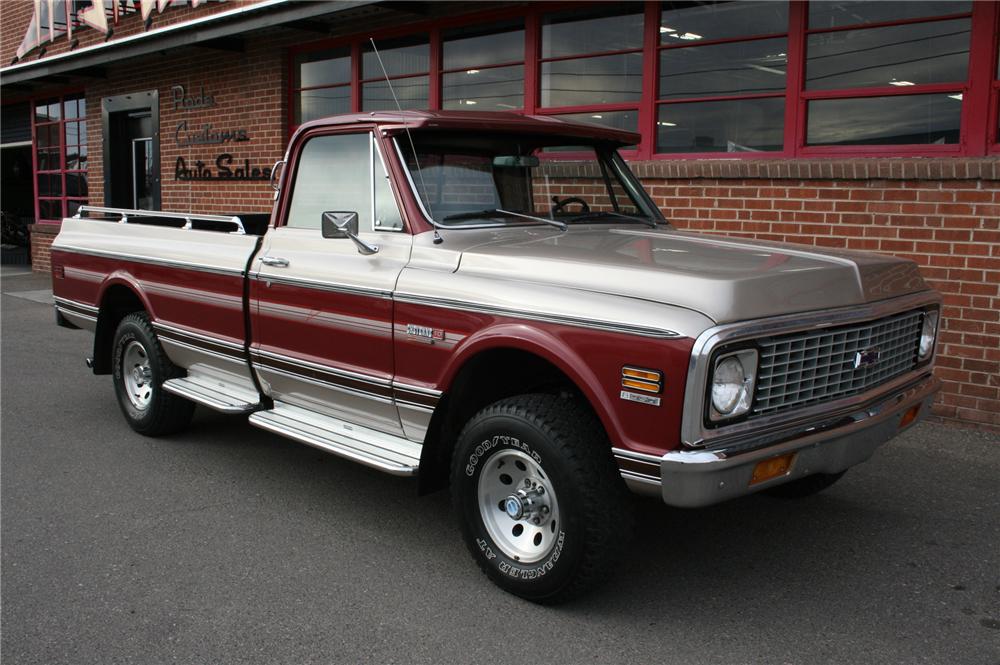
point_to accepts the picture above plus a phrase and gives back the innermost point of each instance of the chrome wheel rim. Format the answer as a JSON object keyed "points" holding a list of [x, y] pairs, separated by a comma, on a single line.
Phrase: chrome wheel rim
{"points": [[519, 506], [137, 375]]}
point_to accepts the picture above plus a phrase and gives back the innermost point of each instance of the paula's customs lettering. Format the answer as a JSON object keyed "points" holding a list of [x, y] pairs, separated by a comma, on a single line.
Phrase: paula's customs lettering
{"points": [[640, 398]]}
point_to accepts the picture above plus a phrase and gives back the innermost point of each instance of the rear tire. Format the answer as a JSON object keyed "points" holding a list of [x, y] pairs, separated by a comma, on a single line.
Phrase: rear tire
{"points": [[139, 368], [803, 487], [540, 503]]}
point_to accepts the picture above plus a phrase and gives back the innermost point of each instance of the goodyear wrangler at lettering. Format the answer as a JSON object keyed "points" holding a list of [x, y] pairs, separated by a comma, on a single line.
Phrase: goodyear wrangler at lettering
{"points": [[492, 303]]}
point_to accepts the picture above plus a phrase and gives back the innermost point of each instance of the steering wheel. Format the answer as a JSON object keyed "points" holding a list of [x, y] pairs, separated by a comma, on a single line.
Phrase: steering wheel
{"points": [[559, 205]]}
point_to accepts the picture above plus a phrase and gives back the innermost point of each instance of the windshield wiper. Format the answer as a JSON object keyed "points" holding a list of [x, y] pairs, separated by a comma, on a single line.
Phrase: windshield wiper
{"points": [[550, 222], [599, 213], [495, 212], [491, 212]]}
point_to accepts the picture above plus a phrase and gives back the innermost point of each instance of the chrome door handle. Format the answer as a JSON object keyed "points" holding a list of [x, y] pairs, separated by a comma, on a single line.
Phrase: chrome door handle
{"points": [[274, 261]]}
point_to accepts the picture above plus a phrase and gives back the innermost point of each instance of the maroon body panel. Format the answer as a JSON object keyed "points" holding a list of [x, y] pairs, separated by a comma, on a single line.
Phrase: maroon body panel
{"points": [[206, 303], [340, 330], [592, 359]]}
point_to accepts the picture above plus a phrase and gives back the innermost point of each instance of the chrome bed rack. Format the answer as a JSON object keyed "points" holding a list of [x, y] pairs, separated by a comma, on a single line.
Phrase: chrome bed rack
{"points": [[124, 214]]}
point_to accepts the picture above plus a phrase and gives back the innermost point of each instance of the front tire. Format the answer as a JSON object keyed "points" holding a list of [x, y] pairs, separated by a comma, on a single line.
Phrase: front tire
{"points": [[139, 368], [540, 502]]}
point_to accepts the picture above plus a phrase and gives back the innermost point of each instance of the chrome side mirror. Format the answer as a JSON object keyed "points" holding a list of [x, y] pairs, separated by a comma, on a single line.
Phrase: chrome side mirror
{"points": [[345, 225]]}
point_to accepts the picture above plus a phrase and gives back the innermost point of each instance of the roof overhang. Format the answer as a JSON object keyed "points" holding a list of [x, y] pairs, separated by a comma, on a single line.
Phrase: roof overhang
{"points": [[208, 29]]}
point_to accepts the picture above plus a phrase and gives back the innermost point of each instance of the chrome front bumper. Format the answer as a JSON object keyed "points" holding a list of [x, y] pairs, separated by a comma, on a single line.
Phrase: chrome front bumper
{"points": [[694, 478]]}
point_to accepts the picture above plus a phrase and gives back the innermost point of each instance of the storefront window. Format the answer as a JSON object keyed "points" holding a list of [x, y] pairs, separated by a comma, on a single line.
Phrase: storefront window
{"points": [[321, 84], [59, 129], [406, 63], [868, 85], [781, 79], [482, 67], [592, 57], [729, 51]]}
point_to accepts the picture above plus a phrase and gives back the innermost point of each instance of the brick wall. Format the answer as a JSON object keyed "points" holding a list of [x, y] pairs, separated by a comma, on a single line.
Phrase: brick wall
{"points": [[248, 93], [42, 236]]}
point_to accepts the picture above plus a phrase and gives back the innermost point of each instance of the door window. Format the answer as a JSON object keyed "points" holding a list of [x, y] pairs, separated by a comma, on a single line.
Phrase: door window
{"points": [[335, 173]]}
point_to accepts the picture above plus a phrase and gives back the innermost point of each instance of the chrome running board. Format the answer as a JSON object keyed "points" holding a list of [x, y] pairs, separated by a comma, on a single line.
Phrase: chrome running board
{"points": [[213, 393], [385, 452]]}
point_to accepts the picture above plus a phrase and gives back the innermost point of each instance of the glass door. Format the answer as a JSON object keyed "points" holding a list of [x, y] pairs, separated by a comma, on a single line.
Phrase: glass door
{"points": [[142, 173]]}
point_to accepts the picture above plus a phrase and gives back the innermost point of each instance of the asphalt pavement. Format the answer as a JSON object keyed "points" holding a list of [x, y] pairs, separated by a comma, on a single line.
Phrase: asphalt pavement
{"points": [[226, 544]]}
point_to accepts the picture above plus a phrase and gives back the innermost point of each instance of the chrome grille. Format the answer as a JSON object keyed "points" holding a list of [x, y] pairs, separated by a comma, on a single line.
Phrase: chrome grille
{"points": [[820, 365]]}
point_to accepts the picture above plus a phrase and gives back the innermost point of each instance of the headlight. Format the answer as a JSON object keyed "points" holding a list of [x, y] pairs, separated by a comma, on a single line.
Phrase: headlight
{"points": [[732, 384], [928, 334]]}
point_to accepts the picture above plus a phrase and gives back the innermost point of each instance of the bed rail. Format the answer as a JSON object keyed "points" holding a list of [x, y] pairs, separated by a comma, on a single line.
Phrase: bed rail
{"points": [[189, 219]]}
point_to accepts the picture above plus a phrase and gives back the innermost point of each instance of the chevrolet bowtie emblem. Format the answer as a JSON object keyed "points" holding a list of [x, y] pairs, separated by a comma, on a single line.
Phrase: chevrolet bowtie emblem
{"points": [[866, 358]]}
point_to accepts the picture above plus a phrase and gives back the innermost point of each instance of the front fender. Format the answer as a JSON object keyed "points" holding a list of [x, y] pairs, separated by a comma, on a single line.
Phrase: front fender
{"points": [[547, 344]]}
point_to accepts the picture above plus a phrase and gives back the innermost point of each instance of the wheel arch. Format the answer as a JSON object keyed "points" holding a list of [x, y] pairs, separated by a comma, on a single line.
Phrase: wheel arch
{"points": [[120, 295], [510, 360]]}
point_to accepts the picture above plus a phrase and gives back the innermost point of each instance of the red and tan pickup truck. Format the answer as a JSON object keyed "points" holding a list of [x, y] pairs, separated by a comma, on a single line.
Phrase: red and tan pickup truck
{"points": [[493, 302]]}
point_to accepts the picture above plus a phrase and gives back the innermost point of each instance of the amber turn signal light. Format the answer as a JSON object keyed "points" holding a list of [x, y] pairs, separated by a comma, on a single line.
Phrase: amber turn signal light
{"points": [[772, 468], [909, 416], [646, 380]]}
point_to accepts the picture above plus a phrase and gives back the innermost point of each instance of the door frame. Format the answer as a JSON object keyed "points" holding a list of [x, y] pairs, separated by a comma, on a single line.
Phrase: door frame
{"points": [[133, 101]]}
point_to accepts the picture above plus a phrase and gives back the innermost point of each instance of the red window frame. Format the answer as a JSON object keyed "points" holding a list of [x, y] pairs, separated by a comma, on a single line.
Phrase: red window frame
{"points": [[657, 102], [538, 61], [437, 63], [979, 134], [63, 198], [993, 117], [806, 96]]}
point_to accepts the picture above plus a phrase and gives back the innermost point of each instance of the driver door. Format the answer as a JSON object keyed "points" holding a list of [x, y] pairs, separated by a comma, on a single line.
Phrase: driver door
{"points": [[321, 311]]}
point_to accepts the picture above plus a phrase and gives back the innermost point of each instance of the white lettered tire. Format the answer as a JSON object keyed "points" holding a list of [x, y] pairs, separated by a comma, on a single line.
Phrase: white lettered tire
{"points": [[139, 368], [539, 500]]}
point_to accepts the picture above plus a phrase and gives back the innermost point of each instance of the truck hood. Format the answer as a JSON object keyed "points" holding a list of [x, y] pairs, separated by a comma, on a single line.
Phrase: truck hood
{"points": [[724, 278]]}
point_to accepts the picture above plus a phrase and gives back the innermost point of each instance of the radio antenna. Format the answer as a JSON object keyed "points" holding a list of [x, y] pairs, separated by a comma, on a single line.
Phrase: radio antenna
{"points": [[420, 172]]}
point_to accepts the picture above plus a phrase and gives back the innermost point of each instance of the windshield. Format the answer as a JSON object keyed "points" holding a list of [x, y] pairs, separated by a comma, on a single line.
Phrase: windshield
{"points": [[464, 180]]}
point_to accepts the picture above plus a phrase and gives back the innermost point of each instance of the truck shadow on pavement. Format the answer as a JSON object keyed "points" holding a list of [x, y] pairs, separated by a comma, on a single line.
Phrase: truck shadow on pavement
{"points": [[732, 556]]}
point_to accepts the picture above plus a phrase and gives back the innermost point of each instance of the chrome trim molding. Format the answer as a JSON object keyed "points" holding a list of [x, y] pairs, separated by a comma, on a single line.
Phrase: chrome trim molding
{"points": [[580, 322], [218, 348], [138, 258], [693, 431], [326, 369], [77, 306], [72, 312], [159, 325], [321, 286], [167, 341]]}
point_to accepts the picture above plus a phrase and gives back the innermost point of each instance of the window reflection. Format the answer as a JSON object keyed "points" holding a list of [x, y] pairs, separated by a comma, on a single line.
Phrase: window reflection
{"points": [[483, 45], [895, 120], [724, 69], [319, 103], [322, 68], [410, 55], [410, 92], [682, 22], [493, 89], [601, 80], [901, 55], [625, 120], [826, 14], [574, 32], [743, 125]]}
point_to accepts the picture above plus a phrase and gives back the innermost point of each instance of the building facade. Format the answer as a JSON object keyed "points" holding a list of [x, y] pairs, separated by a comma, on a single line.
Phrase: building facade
{"points": [[845, 124]]}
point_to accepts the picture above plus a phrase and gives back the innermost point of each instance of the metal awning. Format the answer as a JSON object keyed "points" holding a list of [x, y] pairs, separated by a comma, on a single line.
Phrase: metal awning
{"points": [[208, 30]]}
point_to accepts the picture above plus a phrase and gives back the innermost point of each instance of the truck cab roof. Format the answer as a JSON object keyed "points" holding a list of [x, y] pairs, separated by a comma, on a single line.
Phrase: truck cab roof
{"points": [[494, 121]]}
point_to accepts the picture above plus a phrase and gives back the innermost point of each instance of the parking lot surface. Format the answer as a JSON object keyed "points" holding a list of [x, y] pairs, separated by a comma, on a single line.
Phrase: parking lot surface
{"points": [[225, 544]]}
